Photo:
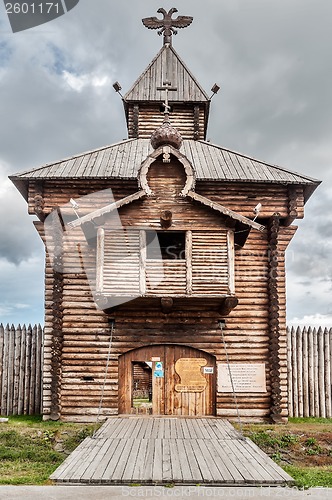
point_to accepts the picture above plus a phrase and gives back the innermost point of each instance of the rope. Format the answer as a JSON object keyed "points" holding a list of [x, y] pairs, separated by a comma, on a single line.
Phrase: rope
{"points": [[231, 379], [105, 378]]}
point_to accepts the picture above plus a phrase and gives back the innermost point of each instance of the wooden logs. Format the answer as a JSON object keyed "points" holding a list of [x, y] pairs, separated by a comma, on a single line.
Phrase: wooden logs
{"points": [[166, 219], [39, 201], [229, 303], [309, 373], [292, 205], [57, 319], [166, 304], [274, 318]]}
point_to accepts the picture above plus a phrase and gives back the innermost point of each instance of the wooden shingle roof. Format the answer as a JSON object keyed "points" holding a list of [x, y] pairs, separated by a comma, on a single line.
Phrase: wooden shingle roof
{"points": [[167, 66], [123, 160]]}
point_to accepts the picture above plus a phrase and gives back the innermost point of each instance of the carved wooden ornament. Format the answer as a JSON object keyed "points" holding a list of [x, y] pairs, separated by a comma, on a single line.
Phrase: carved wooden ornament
{"points": [[167, 25]]}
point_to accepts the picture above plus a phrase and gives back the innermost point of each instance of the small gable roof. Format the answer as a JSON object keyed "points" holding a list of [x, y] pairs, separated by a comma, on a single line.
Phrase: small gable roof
{"points": [[217, 207], [167, 65], [242, 225]]}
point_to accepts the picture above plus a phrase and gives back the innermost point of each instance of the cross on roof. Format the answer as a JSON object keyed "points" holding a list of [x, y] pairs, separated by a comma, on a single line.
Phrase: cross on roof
{"points": [[166, 88], [167, 25]]}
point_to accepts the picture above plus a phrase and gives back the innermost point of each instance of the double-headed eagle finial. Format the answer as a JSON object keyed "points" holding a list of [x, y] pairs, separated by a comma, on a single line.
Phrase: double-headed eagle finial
{"points": [[167, 25]]}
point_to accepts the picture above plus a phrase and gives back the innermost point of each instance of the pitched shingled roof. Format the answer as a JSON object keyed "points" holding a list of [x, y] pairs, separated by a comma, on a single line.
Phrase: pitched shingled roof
{"points": [[123, 160], [167, 66]]}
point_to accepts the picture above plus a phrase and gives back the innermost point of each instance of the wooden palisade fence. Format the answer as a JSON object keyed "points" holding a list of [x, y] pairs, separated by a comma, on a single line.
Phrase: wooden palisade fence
{"points": [[21, 351], [310, 372]]}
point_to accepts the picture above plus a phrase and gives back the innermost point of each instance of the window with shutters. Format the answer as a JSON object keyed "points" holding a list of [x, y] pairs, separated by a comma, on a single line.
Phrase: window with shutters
{"points": [[165, 263]]}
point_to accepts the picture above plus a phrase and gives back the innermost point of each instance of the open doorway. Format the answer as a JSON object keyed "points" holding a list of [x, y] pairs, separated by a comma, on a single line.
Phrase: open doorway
{"points": [[182, 378], [142, 387]]}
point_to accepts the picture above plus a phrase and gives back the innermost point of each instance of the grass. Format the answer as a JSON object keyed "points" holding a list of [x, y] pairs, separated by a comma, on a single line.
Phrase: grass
{"points": [[310, 420], [137, 402], [310, 477], [303, 448], [265, 439], [31, 449]]}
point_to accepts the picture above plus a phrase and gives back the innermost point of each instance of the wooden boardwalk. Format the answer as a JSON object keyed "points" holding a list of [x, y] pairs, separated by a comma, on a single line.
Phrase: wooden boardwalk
{"points": [[159, 450]]}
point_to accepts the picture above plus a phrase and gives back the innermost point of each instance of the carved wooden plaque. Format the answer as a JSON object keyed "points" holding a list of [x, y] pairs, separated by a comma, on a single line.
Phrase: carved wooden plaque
{"points": [[247, 377], [190, 373]]}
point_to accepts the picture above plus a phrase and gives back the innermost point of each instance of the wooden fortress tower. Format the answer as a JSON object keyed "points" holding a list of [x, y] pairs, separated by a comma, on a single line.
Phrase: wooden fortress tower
{"points": [[156, 266]]}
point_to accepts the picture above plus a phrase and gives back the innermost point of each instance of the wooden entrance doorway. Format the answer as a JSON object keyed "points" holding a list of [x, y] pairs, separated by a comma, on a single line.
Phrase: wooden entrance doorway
{"points": [[183, 380]]}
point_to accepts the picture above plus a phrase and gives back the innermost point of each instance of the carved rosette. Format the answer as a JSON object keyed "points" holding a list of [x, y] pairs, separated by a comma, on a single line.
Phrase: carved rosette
{"points": [[166, 135], [274, 323]]}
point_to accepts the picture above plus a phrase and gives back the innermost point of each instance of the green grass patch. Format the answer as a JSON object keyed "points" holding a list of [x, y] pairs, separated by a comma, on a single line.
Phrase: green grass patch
{"points": [[25, 419], [303, 448], [75, 439], [270, 440], [26, 459], [310, 420], [31, 449], [137, 402], [310, 477], [18, 472]]}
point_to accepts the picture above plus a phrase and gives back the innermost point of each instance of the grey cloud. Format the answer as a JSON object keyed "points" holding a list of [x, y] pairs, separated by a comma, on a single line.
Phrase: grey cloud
{"points": [[325, 229], [47, 118], [21, 291], [308, 256], [277, 77], [303, 283], [19, 240]]}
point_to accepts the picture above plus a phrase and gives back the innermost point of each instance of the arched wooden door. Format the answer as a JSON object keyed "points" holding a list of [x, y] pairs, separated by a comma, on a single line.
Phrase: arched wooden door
{"points": [[183, 380]]}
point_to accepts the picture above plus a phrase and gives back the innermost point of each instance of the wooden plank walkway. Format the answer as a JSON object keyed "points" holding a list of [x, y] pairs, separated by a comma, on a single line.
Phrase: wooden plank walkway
{"points": [[161, 450]]}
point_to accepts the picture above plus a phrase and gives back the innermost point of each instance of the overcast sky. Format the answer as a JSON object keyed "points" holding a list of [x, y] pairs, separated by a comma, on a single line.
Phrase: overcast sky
{"points": [[273, 61]]}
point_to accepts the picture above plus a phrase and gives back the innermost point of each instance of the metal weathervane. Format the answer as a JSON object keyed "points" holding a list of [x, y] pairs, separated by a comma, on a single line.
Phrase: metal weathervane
{"points": [[167, 25]]}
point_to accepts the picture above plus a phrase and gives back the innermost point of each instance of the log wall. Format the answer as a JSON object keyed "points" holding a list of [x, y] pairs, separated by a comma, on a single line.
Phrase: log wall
{"points": [[57, 196], [86, 333], [244, 197], [77, 333], [309, 371], [143, 121], [241, 198]]}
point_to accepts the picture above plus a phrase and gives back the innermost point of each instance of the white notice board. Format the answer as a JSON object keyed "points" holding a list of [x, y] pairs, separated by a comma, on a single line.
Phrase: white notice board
{"points": [[246, 377]]}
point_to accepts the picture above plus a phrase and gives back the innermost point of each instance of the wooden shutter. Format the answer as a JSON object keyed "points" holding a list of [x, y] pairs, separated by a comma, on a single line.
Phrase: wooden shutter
{"points": [[210, 263], [120, 259], [166, 277]]}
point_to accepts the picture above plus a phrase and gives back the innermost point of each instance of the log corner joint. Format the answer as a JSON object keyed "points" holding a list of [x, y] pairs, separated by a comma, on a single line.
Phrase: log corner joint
{"points": [[274, 322]]}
